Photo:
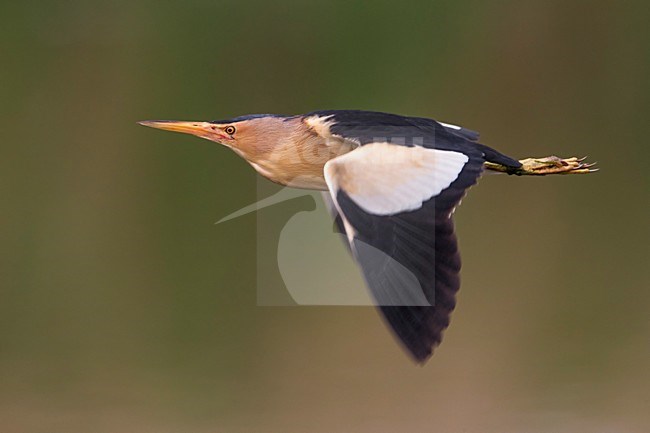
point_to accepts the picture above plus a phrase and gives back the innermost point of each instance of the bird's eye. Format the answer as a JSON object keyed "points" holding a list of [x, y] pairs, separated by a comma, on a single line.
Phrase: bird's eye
{"points": [[230, 130]]}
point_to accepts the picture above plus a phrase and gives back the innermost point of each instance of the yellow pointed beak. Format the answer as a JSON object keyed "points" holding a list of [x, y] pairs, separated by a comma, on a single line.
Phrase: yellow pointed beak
{"points": [[200, 129]]}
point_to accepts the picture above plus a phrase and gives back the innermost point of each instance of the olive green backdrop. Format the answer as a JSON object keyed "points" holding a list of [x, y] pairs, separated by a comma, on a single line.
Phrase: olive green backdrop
{"points": [[123, 308]]}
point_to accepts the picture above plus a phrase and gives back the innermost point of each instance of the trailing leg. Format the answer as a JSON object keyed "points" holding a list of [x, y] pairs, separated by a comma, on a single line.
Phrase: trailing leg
{"points": [[545, 166]]}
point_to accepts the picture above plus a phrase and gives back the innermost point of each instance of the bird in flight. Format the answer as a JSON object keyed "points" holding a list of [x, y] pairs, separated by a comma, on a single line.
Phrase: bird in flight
{"points": [[392, 183]]}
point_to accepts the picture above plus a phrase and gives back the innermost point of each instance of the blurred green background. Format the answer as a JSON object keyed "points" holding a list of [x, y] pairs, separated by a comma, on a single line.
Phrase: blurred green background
{"points": [[123, 308]]}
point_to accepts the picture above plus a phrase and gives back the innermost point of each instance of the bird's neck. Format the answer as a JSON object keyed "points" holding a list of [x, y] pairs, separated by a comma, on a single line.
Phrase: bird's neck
{"points": [[294, 154]]}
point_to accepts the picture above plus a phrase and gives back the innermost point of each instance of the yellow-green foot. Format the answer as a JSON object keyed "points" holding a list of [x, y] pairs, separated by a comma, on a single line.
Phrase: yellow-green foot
{"points": [[546, 166], [555, 165]]}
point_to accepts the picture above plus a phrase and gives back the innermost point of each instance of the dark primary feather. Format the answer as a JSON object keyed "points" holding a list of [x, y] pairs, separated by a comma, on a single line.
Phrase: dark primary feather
{"points": [[420, 328]]}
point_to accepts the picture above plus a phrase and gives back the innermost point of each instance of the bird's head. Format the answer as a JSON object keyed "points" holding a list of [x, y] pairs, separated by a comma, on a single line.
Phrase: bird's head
{"points": [[287, 150], [248, 135]]}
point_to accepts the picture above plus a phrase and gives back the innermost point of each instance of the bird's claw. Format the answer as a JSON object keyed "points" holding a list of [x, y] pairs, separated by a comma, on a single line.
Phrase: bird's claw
{"points": [[555, 165]]}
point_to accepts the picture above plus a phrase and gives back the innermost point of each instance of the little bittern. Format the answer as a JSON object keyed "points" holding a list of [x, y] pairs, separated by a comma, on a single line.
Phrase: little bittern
{"points": [[393, 183]]}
